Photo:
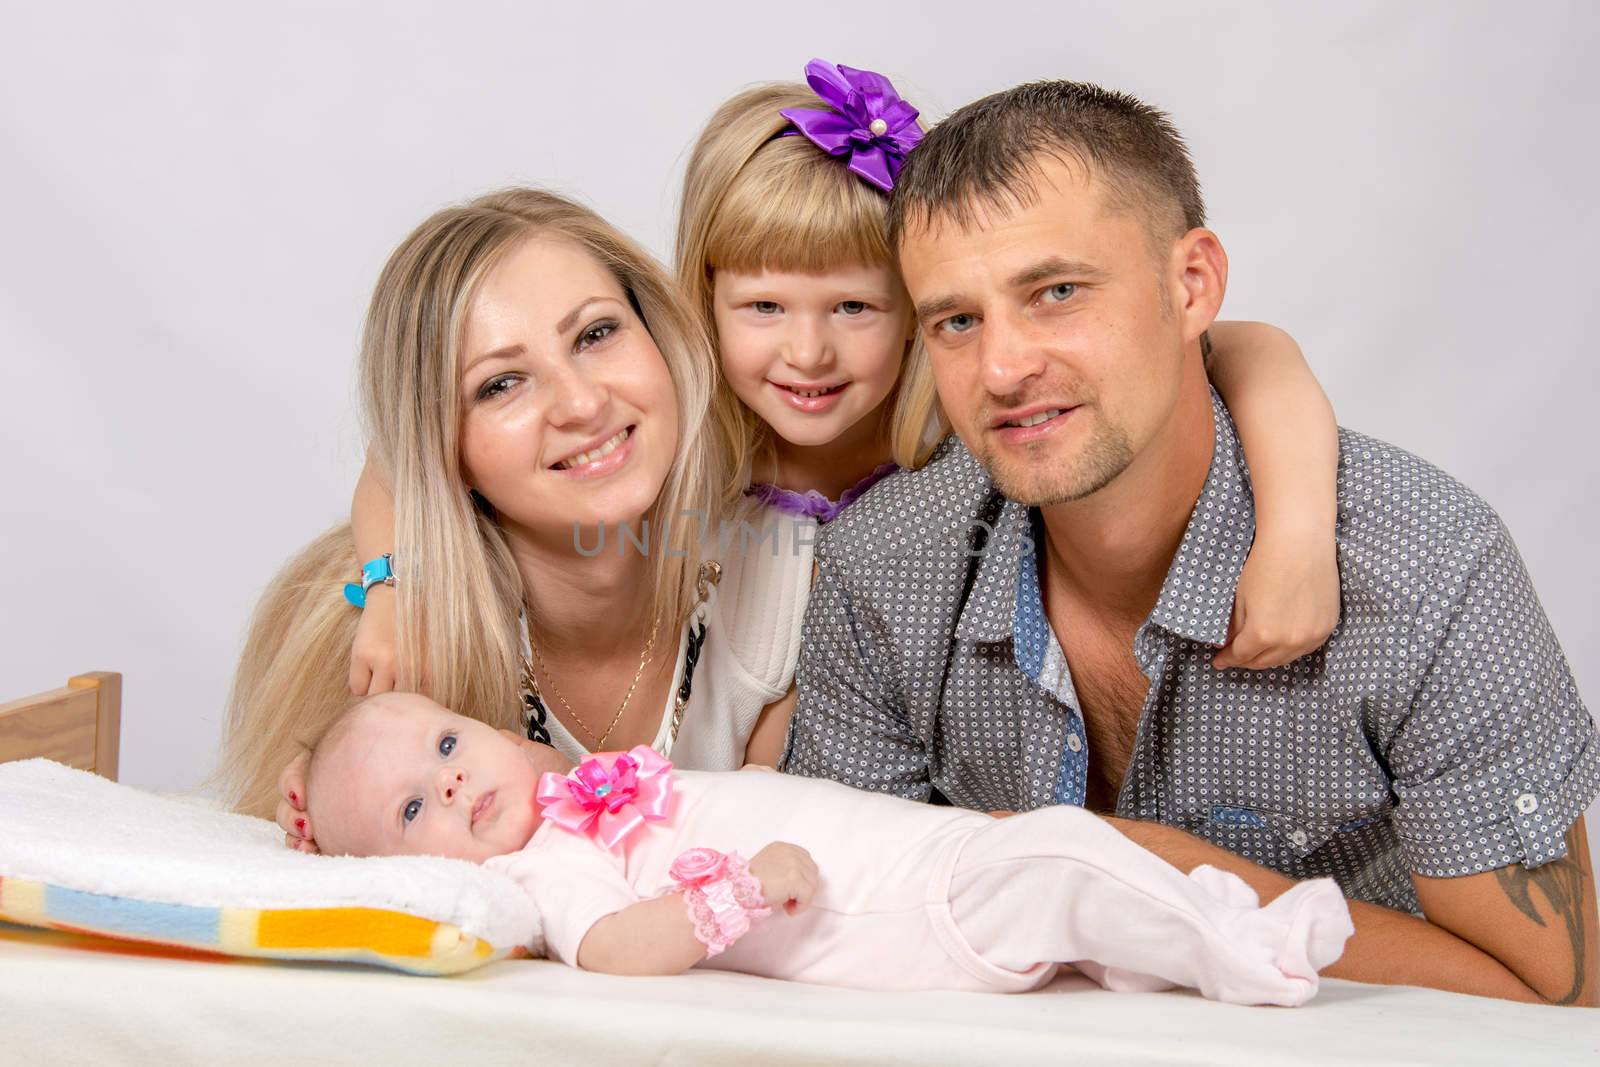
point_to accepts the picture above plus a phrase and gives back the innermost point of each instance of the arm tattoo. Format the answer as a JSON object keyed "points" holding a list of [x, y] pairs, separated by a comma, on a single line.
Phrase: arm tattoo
{"points": [[1561, 882]]}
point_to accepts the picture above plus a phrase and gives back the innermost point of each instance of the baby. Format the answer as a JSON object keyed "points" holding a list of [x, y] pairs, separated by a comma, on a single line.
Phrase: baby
{"points": [[638, 868]]}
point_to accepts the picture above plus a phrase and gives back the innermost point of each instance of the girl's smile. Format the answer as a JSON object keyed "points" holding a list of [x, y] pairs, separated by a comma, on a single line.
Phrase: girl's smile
{"points": [[811, 399]]}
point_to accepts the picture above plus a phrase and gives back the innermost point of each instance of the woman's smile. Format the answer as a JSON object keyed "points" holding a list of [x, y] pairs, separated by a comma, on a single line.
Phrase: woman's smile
{"points": [[598, 459]]}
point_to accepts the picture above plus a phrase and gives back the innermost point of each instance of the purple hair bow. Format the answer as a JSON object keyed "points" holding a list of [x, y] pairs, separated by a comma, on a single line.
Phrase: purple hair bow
{"points": [[872, 126]]}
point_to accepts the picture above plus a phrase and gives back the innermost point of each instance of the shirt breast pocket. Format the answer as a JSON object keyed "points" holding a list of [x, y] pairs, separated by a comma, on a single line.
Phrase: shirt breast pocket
{"points": [[1286, 841]]}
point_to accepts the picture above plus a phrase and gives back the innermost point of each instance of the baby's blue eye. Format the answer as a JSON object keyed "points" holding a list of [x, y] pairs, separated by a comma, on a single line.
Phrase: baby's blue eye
{"points": [[413, 809], [447, 744]]}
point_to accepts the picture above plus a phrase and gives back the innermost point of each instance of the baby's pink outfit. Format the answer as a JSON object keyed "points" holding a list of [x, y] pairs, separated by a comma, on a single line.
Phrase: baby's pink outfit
{"points": [[913, 896]]}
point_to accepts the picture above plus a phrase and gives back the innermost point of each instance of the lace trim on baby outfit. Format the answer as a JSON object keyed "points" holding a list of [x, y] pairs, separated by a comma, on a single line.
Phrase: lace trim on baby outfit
{"points": [[724, 899]]}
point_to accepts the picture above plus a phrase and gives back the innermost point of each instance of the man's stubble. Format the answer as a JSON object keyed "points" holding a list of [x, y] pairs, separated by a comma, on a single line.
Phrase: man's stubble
{"points": [[1035, 479]]}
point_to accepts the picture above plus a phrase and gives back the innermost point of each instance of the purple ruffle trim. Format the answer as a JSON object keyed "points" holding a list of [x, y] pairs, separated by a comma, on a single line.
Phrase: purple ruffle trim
{"points": [[812, 504]]}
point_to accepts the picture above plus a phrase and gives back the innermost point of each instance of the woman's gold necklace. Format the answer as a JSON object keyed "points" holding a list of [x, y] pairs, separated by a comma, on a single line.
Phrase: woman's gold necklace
{"points": [[544, 668], [709, 577]]}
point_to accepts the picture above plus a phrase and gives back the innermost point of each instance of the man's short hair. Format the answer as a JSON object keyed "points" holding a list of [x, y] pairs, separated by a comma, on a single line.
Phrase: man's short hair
{"points": [[987, 154]]}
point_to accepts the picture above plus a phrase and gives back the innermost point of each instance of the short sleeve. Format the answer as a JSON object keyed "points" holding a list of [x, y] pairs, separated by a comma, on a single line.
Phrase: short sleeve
{"points": [[849, 723], [1497, 756], [574, 884]]}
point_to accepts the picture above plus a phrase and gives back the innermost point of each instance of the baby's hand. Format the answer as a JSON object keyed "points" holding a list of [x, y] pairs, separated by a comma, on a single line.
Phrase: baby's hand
{"points": [[1287, 603], [787, 874], [373, 656], [292, 806]]}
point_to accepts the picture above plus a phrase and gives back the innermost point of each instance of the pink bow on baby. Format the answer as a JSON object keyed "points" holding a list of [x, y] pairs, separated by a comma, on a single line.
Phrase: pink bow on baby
{"points": [[609, 795]]}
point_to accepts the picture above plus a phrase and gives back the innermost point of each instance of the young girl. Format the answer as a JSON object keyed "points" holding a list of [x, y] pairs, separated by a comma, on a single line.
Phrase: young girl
{"points": [[782, 250], [638, 868]]}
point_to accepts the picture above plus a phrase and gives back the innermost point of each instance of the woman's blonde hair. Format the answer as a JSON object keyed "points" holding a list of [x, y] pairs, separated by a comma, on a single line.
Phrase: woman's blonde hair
{"points": [[459, 593], [756, 200], [292, 677]]}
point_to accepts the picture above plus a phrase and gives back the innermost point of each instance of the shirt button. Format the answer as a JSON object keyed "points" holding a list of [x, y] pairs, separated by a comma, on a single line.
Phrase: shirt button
{"points": [[1074, 743], [1527, 803], [1298, 839]]}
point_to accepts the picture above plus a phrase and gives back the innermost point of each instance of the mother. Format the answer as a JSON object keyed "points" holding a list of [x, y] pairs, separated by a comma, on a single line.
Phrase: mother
{"points": [[508, 342]]}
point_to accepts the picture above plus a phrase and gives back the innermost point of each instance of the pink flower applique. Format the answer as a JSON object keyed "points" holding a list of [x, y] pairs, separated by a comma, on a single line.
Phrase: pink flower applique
{"points": [[609, 795], [697, 867]]}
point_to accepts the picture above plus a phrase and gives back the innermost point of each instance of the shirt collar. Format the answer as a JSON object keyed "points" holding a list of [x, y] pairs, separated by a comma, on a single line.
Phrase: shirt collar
{"points": [[991, 603], [1196, 598]]}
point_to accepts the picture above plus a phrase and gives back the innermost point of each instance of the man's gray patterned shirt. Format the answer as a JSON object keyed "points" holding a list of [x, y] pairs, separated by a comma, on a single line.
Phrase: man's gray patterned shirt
{"points": [[1438, 731]]}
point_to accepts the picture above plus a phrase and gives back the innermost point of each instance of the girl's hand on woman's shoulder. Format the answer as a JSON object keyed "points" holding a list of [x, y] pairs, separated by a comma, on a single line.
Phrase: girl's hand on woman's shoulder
{"points": [[292, 806], [373, 656]]}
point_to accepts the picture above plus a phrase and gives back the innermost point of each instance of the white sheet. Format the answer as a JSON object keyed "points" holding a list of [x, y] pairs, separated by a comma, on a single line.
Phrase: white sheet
{"points": [[66, 1005]]}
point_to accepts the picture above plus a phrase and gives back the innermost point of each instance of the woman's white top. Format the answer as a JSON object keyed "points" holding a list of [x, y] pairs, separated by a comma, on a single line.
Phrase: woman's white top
{"points": [[752, 641]]}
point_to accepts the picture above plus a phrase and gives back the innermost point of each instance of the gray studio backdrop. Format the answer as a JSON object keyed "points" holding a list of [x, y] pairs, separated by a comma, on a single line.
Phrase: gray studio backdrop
{"points": [[197, 199]]}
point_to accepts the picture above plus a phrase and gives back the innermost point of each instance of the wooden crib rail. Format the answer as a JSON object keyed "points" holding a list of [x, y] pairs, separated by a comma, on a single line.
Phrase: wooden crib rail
{"points": [[79, 725]]}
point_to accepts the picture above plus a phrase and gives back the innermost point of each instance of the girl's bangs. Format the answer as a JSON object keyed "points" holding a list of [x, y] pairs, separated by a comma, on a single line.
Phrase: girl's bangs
{"points": [[795, 209]]}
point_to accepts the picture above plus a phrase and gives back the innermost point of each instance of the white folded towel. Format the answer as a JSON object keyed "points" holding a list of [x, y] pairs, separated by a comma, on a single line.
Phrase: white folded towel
{"points": [[68, 828]]}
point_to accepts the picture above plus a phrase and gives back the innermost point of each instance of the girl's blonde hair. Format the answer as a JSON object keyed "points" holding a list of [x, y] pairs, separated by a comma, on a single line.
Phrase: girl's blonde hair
{"points": [[459, 593], [756, 200]]}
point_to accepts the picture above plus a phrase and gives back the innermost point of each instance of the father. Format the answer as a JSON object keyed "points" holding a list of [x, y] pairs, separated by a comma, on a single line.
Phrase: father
{"points": [[1031, 618]]}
